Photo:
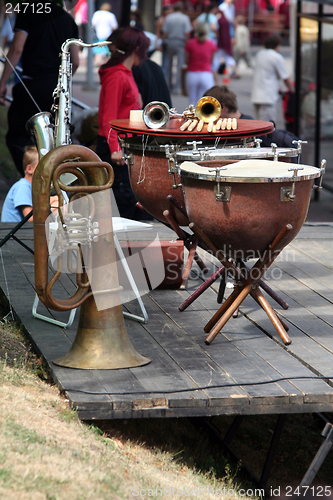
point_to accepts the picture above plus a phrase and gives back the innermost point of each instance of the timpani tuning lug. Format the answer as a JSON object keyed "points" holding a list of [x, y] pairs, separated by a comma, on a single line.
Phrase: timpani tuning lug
{"points": [[194, 144], [221, 195], [204, 152], [274, 151], [318, 187], [258, 142], [172, 165], [299, 143], [288, 194]]}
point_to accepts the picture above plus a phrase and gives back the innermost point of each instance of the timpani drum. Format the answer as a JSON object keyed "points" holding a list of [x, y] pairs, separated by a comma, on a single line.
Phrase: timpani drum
{"points": [[153, 176], [223, 156], [243, 206]]}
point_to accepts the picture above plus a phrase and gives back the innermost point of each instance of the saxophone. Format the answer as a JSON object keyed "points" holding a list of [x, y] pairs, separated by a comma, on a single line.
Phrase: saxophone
{"points": [[49, 135]]}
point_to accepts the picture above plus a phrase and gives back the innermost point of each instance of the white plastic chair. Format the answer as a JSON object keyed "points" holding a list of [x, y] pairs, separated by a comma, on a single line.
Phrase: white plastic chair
{"points": [[120, 225]]}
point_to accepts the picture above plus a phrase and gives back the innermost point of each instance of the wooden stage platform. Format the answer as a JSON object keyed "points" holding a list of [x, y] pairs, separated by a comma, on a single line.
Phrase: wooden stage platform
{"points": [[246, 370]]}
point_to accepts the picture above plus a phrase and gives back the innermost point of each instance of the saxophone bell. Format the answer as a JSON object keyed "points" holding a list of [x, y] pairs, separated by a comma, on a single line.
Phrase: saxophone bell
{"points": [[40, 126]]}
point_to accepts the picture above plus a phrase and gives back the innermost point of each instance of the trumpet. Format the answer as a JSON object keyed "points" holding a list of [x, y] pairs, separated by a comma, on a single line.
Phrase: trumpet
{"points": [[156, 114], [208, 109]]}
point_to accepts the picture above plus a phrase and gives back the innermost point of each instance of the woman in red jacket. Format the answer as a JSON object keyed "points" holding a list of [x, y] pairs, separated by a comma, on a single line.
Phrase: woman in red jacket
{"points": [[119, 94]]}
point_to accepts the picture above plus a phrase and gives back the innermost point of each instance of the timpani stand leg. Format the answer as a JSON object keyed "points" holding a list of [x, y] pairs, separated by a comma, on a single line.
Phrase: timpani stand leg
{"points": [[206, 284], [244, 268], [277, 323], [254, 296], [248, 285], [231, 268], [223, 284], [191, 243]]}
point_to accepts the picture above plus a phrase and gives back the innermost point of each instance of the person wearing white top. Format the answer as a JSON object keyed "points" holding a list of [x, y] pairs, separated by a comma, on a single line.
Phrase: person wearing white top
{"points": [[269, 70], [104, 22]]}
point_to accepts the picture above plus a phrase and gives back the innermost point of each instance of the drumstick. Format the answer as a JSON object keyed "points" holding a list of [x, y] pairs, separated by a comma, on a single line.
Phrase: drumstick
{"points": [[234, 124], [192, 125], [218, 124], [200, 125], [210, 126], [224, 124], [229, 124], [185, 125]]}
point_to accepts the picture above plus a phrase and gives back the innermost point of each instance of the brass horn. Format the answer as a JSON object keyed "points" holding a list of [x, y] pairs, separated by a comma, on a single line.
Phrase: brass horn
{"points": [[208, 109], [101, 341], [156, 114]]}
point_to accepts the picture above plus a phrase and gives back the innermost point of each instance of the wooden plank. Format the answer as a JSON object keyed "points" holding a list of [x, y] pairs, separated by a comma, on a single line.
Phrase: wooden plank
{"points": [[186, 354], [315, 231], [231, 360], [285, 365], [303, 347], [315, 250], [180, 359]]}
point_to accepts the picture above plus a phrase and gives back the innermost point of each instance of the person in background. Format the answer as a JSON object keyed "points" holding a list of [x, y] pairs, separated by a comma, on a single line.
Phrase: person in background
{"points": [[7, 33], [229, 11], [18, 202], [81, 18], [151, 82], [176, 31], [199, 52], [241, 48], [104, 22], [209, 17], [269, 70], [160, 45], [136, 19], [37, 40], [228, 100], [223, 56], [148, 76], [119, 95], [284, 10]]}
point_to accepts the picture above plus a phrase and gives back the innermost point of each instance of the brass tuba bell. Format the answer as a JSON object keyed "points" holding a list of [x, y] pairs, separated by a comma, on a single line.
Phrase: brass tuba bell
{"points": [[101, 341], [208, 109]]}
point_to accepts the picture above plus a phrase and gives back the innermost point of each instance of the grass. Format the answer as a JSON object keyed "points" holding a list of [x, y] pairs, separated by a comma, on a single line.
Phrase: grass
{"points": [[46, 452]]}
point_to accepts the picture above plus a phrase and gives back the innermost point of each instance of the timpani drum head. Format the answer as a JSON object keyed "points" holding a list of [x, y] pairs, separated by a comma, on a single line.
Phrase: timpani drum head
{"points": [[251, 171], [224, 154]]}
